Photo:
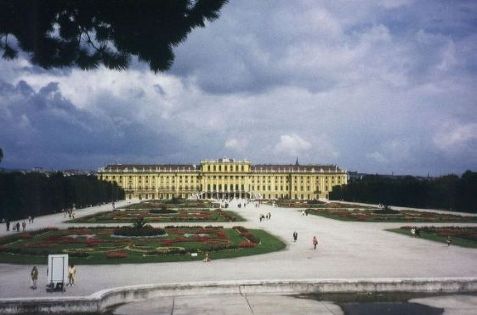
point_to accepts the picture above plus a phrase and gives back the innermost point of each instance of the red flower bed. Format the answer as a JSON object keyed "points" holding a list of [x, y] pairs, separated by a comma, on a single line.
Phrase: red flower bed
{"points": [[25, 236], [247, 244], [246, 234], [167, 242], [92, 242], [117, 254]]}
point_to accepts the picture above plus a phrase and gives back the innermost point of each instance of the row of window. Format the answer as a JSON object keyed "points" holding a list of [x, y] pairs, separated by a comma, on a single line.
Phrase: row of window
{"points": [[295, 188], [164, 187], [215, 187], [258, 179], [225, 168], [170, 183], [185, 195], [226, 187]]}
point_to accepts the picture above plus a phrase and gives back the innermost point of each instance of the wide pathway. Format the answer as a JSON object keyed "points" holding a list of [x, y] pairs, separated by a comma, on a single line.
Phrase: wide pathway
{"points": [[59, 219], [230, 304], [346, 250]]}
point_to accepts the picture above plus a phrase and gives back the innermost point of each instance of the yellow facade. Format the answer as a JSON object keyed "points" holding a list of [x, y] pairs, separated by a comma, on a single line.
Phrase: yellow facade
{"points": [[225, 178]]}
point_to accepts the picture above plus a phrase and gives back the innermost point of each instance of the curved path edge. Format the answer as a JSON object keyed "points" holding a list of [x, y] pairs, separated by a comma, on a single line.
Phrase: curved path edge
{"points": [[103, 300]]}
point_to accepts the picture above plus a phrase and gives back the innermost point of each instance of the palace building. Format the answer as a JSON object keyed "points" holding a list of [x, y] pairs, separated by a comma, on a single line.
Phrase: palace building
{"points": [[225, 178]]}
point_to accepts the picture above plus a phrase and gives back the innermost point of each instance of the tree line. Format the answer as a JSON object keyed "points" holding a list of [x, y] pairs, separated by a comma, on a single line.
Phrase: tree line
{"points": [[449, 192], [34, 194]]}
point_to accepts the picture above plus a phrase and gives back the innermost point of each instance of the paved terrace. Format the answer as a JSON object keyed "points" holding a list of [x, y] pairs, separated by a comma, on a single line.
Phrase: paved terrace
{"points": [[346, 250]]}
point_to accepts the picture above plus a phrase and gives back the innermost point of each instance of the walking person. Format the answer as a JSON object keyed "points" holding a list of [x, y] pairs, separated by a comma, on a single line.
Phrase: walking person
{"points": [[295, 236], [71, 275], [23, 225], [34, 277], [18, 226], [315, 242], [448, 241], [8, 225]]}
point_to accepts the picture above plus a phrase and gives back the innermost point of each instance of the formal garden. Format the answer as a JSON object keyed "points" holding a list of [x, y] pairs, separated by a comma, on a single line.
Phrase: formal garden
{"points": [[293, 203], [387, 214], [161, 215], [172, 203], [139, 243], [459, 235]]}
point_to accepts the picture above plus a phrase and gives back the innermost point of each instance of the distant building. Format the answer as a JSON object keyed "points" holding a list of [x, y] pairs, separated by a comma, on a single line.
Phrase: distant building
{"points": [[74, 172], [225, 178]]}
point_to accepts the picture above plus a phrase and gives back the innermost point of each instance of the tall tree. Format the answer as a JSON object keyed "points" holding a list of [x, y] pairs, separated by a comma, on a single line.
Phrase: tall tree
{"points": [[89, 33], [446, 192]]}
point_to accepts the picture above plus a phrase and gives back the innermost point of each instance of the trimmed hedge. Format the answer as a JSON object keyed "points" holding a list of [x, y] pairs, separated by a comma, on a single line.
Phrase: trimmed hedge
{"points": [[147, 230]]}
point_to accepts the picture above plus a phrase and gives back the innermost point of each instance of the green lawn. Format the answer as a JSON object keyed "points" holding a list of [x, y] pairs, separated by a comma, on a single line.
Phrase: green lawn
{"points": [[465, 237], [367, 215], [97, 243]]}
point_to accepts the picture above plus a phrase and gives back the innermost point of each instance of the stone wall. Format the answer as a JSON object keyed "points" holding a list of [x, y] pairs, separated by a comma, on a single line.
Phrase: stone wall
{"points": [[105, 299]]}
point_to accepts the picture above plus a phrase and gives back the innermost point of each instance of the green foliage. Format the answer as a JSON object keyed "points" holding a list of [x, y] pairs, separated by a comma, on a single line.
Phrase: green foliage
{"points": [[139, 223], [145, 230], [22, 195], [445, 192], [175, 201], [162, 211], [386, 210], [90, 33]]}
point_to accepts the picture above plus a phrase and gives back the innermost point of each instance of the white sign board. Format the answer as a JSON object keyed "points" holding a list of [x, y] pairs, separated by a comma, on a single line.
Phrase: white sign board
{"points": [[57, 269]]}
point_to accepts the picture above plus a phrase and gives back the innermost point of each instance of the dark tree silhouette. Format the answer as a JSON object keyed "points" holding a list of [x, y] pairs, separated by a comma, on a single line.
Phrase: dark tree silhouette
{"points": [[446, 192], [25, 194], [88, 33]]}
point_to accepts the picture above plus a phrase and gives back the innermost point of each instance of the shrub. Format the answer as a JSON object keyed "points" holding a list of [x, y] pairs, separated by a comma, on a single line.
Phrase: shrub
{"points": [[139, 223], [163, 210], [147, 230], [386, 210], [315, 202]]}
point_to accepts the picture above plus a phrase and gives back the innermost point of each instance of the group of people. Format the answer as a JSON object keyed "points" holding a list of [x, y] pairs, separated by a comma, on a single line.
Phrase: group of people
{"points": [[17, 226], [71, 276], [70, 212], [267, 216], [314, 240]]}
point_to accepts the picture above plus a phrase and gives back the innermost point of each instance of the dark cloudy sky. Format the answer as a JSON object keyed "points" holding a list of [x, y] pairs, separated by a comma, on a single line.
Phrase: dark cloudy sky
{"points": [[375, 86]]}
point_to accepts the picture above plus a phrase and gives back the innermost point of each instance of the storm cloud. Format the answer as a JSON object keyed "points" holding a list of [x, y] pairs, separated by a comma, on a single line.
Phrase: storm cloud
{"points": [[373, 86]]}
